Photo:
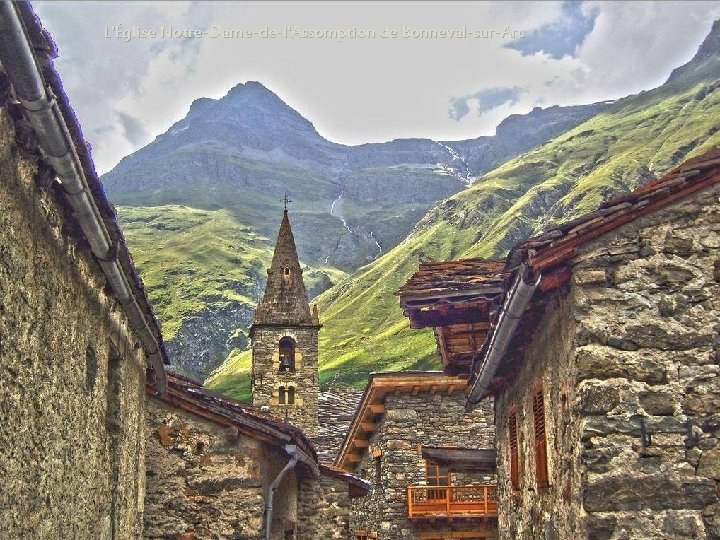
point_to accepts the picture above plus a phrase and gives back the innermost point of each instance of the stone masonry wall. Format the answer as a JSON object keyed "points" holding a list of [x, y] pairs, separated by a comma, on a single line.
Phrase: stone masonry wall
{"points": [[648, 349], [267, 377], [72, 383], [324, 509], [534, 512], [202, 481], [408, 423], [629, 361]]}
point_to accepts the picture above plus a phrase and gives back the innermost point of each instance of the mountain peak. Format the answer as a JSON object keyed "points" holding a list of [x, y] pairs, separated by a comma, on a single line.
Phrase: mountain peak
{"points": [[254, 87], [708, 51]]}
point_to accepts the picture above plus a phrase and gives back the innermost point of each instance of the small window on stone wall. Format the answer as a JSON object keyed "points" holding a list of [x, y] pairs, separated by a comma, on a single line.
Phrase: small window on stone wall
{"points": [[282, 396], [287, 354], [514, 454], [378, 470], [541, 470], [291, 395]]}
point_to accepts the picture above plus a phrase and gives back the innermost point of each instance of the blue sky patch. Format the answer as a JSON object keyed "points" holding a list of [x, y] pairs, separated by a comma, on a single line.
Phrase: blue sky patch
{"points": [[561, 37], [487, 99]]}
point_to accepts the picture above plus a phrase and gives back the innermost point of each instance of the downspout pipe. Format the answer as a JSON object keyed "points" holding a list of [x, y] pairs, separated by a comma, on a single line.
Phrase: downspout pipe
{"points": [[56, 145], [511, 312], [292, 451]]}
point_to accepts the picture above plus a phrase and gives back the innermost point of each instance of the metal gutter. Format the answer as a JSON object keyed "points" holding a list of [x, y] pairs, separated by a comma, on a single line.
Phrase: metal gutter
{"points": [[56, 145], [513, 308]]}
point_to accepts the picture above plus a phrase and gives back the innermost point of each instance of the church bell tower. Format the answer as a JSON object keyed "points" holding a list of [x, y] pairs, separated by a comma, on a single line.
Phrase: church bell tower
{"points": [[284, 338]]}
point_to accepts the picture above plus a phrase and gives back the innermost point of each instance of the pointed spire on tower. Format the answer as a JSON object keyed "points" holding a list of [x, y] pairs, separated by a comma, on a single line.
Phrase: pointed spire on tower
{"points": [[285, 299]]}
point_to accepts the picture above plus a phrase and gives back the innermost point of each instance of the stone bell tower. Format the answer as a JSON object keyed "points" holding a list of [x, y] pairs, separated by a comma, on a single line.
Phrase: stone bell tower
{"points": [[284, 338]]}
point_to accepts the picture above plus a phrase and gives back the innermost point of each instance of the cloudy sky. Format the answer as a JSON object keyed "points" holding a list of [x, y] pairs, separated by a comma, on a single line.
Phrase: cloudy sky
{"points": [[361, 71]]}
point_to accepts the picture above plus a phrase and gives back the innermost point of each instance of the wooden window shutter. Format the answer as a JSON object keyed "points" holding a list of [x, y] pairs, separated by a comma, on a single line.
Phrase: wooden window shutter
{"points": [[514, 456], [541, 470]]}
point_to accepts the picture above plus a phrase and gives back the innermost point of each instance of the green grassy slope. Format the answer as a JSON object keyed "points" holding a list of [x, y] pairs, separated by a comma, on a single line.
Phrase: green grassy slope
{"points": [[191, 257], [636, 139]]}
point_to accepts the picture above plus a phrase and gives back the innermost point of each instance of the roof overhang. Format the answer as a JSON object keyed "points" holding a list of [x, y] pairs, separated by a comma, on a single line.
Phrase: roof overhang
{"points": [[372, 407]]}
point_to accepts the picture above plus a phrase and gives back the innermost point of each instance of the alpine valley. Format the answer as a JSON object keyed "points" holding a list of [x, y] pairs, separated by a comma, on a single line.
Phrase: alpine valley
{"points": [[201, 205]]}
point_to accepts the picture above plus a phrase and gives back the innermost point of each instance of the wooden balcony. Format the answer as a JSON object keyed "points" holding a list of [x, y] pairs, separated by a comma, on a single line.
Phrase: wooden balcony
{"points": [[452, 501]]}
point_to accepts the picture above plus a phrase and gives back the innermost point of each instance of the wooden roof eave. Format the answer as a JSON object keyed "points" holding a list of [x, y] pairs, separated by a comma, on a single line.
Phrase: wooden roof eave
{"points": [[376, 391]]}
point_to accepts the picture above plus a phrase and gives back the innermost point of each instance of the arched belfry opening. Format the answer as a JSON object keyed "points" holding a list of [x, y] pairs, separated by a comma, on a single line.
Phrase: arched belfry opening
{"points": [[287, 354]]}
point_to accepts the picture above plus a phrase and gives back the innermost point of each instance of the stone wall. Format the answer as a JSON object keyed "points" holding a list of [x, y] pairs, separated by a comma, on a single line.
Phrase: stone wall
{"points": [[648, 348], [409, 423], [71, 381], [633, 441], [324, 509], [208, 482], [203, 481], [532, 511], [267, 377]]}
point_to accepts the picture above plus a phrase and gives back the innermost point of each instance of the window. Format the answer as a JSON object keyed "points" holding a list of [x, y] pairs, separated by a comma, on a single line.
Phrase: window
{"points": [[378, 471], [287, 354], [514, 456], [541, 470], [291, 395], [436, 474], [282, 399]]}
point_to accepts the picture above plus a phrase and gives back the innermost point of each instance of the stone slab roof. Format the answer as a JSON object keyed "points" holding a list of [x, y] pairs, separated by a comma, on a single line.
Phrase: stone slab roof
{"points": [[336, 411], [560, 243], [189, 395], [443, 279]]}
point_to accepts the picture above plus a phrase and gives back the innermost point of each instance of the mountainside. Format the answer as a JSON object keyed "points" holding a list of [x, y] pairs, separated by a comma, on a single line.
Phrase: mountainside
{"points": [[634, 140], [201, 202]]}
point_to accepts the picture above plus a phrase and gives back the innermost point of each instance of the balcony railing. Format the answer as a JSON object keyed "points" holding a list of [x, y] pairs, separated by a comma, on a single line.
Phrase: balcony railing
{"points": [[440, 501]]}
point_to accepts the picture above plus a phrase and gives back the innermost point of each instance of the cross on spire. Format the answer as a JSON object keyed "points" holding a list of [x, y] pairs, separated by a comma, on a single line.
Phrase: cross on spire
{"points": [[286, 201]]}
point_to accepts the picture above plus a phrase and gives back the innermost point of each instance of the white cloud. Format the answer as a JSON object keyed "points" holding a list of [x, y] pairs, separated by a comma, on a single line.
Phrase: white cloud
{"points": [[354, 90]]}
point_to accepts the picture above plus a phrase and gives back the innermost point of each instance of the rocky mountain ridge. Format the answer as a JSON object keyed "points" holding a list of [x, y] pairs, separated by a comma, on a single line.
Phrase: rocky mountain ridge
{"points": [[226, 167]]}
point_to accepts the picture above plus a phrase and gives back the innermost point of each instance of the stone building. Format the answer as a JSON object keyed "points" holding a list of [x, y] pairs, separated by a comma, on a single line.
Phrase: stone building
{"points": [[217, 468], [431, 466], [599, 341], [284, 337], [77, 333]]}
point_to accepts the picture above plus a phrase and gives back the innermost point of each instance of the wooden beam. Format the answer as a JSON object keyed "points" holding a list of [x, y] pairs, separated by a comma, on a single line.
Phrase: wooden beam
{"points": [[368, 427], [353, 458], [361, 443], [457, 315], [377, 408], [415, 390]]}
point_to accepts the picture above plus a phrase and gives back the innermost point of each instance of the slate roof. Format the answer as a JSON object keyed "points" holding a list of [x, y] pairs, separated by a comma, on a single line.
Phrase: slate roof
{"points": [[336, 411]]}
